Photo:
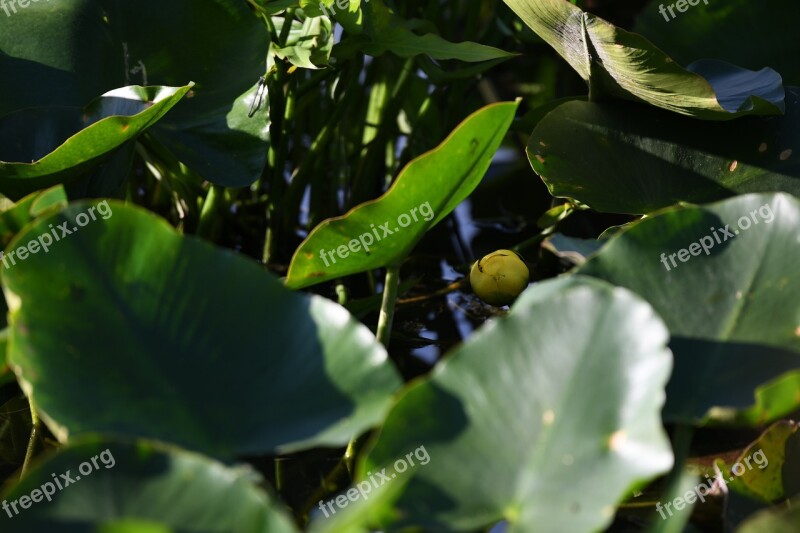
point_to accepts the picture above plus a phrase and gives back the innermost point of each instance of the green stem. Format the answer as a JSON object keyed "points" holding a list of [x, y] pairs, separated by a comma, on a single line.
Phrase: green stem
{"points": [[287, 27], [387, 305], [208, 214], [279, 474], [681, 446], [536, 239], [35, 425], [341, 293]]}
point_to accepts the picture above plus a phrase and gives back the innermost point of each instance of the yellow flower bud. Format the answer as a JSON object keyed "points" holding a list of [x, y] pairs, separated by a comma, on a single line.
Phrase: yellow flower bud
{"points": [[499, 277]]}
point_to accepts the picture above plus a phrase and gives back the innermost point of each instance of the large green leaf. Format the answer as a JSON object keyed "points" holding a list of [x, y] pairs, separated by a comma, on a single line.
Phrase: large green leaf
{"points": [[620, 64], [733, 312], [564, 392], [142, 485], [717, 29], [626, 158], [186, 343], [43, 146], [66, 53], [442, 178]]}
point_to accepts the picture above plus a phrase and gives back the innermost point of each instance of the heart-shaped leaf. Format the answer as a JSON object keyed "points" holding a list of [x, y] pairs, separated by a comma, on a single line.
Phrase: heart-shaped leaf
{"points": [[724, 279], [383, 231], [565, 391], [626, 158], [620, 64], [109, 484], [165, 356]]}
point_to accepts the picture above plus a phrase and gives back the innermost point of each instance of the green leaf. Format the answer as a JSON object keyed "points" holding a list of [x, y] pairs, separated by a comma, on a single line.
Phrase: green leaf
{"points": [[717, 28], [388, 32], [781, 519], [566, 391], [555, 215], [620, 64], [43, 146], [731, 307], [39, 203], [758, 471], [283, 372], [66, 53], [141, 487], [273, 7], [438, 181], [626, 158], [405, 43], [308, 44]]}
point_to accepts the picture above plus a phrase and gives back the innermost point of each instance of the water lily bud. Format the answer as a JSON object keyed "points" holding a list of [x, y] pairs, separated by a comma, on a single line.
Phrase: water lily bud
{"points": [[499, 277]]}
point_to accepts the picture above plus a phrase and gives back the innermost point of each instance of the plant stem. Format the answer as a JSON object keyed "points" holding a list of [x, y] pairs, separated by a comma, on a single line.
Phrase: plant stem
{"points": [[35, 424], [208, 217], [536, 239], [390, 285], [279, 474]]}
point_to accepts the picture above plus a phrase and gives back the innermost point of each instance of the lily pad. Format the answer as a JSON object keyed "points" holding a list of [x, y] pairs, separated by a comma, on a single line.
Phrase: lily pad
{"points": [[566, 390], [627, 158], [112, 485], [165, 358], [724, 279]]}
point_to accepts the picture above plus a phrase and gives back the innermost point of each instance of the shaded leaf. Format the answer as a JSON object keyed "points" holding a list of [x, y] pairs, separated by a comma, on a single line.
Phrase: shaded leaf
{"points": [[66, 53], [735, 325], [626, 158], [284, 372], [142, 487], [43, 146], [620, 64]]}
